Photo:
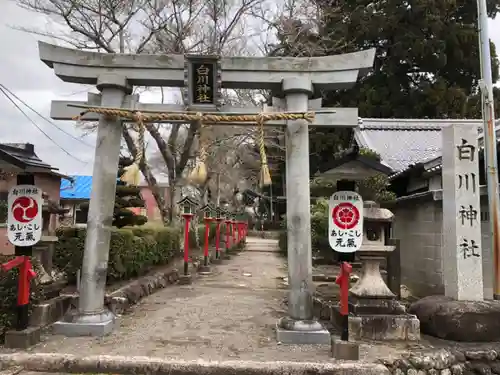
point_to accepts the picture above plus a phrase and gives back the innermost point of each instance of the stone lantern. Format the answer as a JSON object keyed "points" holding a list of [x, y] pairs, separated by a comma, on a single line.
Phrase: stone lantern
{"points": [[188, 205], [373, 251], [375, 313], [219, 218], [219, 213], [208, 211]]}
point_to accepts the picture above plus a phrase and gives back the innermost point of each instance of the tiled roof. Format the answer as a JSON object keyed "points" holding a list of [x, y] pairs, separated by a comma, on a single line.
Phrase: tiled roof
{"points": [[22, 155], [404, 142], [79, 189], [350, 155]]}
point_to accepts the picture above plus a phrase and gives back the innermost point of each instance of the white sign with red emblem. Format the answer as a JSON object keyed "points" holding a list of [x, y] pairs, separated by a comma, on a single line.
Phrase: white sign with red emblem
{"points": [[24, 220], [345, 226]]}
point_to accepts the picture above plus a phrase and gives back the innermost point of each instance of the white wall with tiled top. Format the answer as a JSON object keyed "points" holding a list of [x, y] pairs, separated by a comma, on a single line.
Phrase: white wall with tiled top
{"points": [[419, 226]]}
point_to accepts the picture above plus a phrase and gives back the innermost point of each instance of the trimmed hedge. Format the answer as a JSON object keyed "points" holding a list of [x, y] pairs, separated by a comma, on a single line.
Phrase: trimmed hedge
{"points": [[133, 251], [201, 235]]}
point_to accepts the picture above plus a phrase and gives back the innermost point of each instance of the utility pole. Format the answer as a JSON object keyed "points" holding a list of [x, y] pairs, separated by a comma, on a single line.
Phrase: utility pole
{"points": [[490, 141]]}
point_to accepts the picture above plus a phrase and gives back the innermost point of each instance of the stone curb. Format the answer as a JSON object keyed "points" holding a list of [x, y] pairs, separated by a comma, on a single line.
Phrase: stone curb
{"points": [[324, 278], [323, 310], [12, 370], [120, 300], [447, 362], [66, 363]]}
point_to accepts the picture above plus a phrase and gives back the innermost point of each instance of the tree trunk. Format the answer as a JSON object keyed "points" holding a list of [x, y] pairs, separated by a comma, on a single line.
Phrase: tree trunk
{"points": [[148, 175], [172, 197]]}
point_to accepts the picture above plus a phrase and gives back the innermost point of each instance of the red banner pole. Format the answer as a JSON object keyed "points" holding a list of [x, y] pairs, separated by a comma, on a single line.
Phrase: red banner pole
{"points": [[217, 239], [26, 273], [207, 236], [343, 281], [228, 237], [187, 219]]}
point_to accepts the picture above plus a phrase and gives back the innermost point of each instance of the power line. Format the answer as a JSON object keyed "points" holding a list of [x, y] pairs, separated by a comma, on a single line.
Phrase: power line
{"points": [[44, 118], [38, 127], [75, 93]]}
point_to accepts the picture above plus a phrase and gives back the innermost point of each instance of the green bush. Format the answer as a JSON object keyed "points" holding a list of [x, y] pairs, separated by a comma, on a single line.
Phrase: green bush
{"points": [[8, 291], [3, 211], [319, 229], [319, 226], [201, 235], [271, 225], [133, 251]]}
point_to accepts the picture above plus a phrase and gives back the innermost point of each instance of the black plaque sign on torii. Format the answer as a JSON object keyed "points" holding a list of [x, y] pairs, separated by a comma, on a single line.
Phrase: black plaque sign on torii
{"points": [[202, 81]]}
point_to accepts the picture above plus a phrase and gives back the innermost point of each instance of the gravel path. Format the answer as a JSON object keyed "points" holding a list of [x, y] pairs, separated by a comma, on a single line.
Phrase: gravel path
{"points": [[228, 315]]}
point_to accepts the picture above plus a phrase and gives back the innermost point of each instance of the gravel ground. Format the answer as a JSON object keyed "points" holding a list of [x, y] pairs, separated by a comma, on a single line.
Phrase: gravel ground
{"points": [[228, 315]]}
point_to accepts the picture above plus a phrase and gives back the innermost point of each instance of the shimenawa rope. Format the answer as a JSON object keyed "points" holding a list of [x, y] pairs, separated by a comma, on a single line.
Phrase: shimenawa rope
{"points": [[199, 173], [132, 175]]}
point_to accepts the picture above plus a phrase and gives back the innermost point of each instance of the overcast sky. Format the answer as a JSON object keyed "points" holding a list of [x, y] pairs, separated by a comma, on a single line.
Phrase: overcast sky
{"points": [[22, 72]]}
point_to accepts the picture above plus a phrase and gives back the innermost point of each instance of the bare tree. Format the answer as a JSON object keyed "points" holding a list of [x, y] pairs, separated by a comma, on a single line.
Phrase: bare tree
{"points": [[152, 26]]}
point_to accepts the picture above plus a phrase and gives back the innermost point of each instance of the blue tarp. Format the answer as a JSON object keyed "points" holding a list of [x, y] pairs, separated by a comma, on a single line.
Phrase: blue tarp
{"points": [[79, 189]]}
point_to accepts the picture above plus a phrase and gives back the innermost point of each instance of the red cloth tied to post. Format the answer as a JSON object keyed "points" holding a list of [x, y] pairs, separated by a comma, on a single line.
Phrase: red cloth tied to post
{"points": [[343, 281], [26, 273]]}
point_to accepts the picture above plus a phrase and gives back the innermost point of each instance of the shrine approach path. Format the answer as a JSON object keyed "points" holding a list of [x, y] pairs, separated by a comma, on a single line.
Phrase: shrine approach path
{"points": [[229, 315]]}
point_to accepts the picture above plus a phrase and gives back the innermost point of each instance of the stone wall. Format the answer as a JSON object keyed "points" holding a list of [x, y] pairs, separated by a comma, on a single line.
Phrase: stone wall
{"points": [[447, 362], [419, 225]]}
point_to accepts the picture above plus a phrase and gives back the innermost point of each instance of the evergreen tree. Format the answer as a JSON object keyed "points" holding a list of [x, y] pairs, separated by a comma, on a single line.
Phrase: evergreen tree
{"points": [[126, 198], [426, 65], [427, 60]]}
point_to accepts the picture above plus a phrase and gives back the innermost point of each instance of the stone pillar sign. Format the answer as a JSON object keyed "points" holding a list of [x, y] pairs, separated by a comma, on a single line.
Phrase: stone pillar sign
{"points": [[462, 263]]}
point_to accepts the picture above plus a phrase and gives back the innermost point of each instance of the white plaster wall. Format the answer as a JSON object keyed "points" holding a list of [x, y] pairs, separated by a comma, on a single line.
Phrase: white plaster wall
{"points": [[418, 224]]}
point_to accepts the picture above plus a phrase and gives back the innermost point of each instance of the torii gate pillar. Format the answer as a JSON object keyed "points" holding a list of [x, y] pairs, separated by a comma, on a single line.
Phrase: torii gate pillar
{"points": [[299, 327], [93, 318]]}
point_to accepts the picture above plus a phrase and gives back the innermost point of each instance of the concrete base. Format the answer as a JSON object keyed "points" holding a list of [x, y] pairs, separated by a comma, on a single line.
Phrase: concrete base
{"points": [[74, 324], [385, 327], [345, 350], [216, 261], [185, 279], [226, 256], [286, 336], [379, 319], [50, 311], [204, 270], [22, 339]]}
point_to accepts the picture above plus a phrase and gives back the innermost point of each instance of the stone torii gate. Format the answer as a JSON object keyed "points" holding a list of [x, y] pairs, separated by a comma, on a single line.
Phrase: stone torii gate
{"points": [[294, 81]]}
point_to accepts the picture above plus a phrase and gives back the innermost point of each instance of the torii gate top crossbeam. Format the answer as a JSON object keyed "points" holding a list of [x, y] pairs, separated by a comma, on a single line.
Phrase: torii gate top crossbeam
{"points": [[328, 72], [67, 110]]}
